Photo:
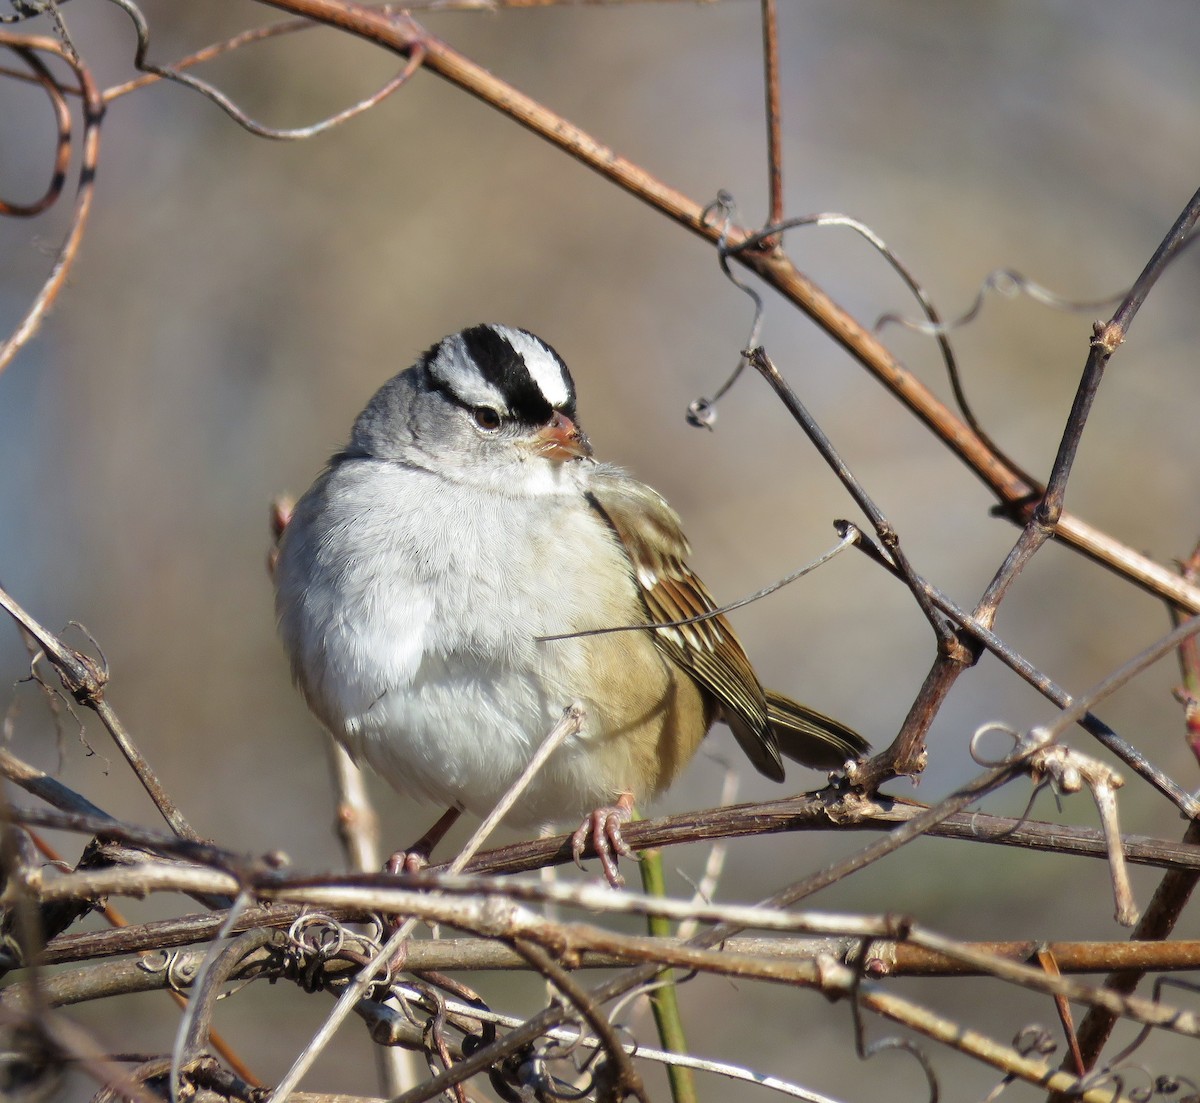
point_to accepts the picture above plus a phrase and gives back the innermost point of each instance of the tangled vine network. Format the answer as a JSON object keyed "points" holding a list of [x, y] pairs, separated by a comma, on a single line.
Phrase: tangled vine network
{"points": [[255, 918]]}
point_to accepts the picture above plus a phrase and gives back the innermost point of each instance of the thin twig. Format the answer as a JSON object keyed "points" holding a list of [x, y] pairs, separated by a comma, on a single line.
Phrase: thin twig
{"points": [[1092, 724], [628, 1082], [355, 819], [215, 95], [806, 812], [770, 32], [932, 326], [753, 957], [93, 112], [1172, 894], [357, 826], [1188, 694], [41, 74], [1107, 337], [951, 1033], [906, 755], [570, 724], [84, 679]]}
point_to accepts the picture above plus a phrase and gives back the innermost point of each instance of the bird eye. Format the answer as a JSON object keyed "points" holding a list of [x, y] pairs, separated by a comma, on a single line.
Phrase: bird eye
{"points": [[486, 418]]}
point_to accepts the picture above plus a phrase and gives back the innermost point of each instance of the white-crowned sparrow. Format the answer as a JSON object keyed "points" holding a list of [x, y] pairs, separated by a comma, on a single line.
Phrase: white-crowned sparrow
{"points": [[464, 522]]}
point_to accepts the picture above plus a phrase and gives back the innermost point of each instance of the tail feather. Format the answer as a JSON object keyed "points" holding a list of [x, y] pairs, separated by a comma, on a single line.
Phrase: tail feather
{"points": [[810, 737]]}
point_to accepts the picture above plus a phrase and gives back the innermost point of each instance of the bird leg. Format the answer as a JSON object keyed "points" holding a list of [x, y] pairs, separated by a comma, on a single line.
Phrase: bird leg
{"points": [[603, 830], [413, 860], [416, 857]]}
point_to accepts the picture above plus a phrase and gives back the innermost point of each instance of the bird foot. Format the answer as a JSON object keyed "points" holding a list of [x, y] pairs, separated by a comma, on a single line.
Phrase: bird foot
{"points": [[412, 860], [416, 857], [602, 829]]}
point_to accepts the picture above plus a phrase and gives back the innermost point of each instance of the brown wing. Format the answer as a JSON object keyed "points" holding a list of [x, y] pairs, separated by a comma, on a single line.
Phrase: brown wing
{"points": [[708, 650]]}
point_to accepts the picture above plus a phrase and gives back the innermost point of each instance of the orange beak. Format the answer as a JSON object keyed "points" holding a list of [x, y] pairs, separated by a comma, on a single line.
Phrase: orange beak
{"points": [[560, 439]]}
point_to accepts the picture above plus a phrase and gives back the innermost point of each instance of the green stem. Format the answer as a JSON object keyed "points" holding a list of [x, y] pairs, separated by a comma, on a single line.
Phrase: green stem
{"points": [[664, 999]]}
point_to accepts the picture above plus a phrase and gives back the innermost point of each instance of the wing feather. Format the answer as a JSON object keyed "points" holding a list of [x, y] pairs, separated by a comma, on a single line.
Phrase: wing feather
{"points": [[708, 650]]}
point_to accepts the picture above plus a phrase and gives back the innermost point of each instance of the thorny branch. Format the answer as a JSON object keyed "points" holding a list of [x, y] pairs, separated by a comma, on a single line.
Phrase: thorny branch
{"points": [[857, 952]]}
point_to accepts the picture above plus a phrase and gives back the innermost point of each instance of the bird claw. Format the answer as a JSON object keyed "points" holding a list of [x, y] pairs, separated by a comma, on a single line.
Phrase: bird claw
{"points": [[602, 829], [412, 860], [416, 857]]}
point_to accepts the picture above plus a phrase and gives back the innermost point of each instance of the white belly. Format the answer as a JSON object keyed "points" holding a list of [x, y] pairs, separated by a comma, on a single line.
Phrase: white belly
{"points": [[427, 667]]}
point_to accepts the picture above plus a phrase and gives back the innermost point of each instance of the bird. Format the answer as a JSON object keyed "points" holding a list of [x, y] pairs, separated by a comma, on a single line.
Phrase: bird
{"points": [[439, 589]]}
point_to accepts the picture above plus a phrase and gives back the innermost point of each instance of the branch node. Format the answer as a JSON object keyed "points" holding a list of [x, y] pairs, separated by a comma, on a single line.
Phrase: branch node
{"points": [[1069, 771], [879, 959], [1107, 337]]}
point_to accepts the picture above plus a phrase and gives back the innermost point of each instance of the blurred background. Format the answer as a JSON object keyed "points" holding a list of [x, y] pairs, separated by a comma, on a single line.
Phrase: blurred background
{"points": [[238, 300]]}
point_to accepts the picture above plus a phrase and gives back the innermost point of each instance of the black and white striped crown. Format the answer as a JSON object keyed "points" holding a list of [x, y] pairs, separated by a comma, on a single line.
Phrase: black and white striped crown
{"points": [[511, 370]]}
